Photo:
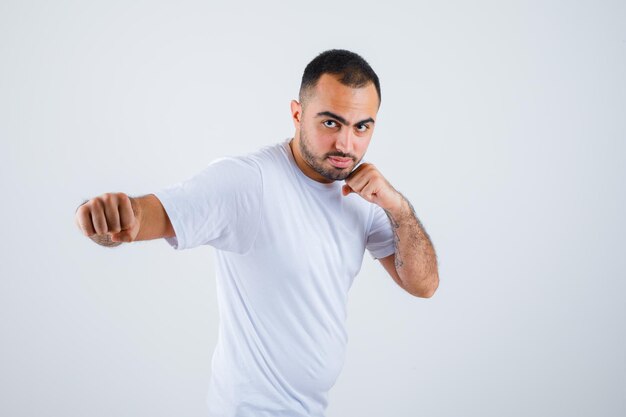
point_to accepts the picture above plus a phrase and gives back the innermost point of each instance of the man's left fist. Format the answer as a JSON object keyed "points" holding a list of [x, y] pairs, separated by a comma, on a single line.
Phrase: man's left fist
{"points": [[370, 184]]}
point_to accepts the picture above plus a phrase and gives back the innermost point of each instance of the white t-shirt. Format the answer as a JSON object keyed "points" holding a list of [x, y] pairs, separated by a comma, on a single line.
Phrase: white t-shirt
{"points": [[288, 249]]}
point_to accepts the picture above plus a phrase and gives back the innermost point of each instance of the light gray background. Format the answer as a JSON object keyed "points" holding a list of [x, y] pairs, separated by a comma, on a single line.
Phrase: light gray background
{"points": [[504, 124]]}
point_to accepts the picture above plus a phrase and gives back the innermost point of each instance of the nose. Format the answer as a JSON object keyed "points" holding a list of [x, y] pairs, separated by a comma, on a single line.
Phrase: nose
{"points": [[345, 141]]}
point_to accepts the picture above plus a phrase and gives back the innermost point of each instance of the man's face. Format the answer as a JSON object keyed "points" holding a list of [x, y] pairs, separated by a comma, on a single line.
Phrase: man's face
{"points": [[334, 128]]}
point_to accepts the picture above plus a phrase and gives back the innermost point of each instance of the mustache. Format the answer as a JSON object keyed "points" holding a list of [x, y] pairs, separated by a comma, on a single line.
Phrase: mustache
{"points": [[341, 155]]}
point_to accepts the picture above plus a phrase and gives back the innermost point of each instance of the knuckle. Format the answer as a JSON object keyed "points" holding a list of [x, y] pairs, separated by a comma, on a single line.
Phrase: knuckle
{"points": [[121, 196], [108, 197], [83, 210]]}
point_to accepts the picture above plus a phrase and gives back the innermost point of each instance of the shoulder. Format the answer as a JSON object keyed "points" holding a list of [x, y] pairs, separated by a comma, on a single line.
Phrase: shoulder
{"points": [[226, 175], [268, 155], [247, 169], [250, 163]]}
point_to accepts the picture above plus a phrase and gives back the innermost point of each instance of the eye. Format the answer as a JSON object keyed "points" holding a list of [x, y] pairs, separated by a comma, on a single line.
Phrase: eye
{"points": [[330, 123], [362, 128]]}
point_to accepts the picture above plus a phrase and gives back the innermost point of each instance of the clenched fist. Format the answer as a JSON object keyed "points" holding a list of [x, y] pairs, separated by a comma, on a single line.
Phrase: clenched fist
{"points": [[369, 183], [109, 219]]}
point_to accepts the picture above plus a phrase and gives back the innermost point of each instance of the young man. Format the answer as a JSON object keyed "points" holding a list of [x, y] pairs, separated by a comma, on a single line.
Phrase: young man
{"points": [[289, 239]]}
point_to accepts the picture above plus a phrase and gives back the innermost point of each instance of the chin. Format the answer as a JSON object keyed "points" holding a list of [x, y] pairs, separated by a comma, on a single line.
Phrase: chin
{"points": [[341, 174]]}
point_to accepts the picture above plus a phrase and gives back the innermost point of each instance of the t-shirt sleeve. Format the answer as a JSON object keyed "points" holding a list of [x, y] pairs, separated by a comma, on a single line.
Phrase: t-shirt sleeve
{"points": [[380, 239], [220, 206]]}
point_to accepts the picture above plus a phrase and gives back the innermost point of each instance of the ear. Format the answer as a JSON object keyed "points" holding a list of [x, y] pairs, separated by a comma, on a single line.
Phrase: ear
{"points": [[296, 113]]}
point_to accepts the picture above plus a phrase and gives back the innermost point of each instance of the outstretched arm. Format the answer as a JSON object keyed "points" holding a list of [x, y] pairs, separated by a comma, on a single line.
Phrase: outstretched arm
{"points": [[113, 218]]}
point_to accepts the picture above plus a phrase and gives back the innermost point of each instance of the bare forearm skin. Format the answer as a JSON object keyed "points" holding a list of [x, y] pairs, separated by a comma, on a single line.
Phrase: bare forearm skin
{"points": [[415, 257]]}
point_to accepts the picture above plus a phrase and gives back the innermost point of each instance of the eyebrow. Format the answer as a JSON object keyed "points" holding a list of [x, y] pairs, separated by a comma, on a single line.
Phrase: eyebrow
{"points": [[342, 120]]}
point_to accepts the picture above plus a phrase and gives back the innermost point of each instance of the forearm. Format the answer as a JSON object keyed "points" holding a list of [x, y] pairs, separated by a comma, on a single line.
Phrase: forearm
{"points": [[113, 218], [153, 219], [415, 257]]}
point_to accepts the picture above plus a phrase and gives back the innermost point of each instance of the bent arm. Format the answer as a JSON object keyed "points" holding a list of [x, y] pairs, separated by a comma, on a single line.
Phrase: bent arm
{"points": [[414, 264]]}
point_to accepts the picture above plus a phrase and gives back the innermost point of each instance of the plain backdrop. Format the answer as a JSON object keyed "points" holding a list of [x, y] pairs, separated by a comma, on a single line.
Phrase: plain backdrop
{"points": [[503, 122]]}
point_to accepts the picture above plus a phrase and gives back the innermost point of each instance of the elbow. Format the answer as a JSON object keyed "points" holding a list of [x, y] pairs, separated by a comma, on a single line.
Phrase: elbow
{"points": [[427, 294], [427, 291], [424, 293]]}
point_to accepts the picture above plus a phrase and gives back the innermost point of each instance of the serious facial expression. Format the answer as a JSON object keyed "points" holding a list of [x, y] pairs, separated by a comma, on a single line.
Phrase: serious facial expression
{"points": [[337, 123]]}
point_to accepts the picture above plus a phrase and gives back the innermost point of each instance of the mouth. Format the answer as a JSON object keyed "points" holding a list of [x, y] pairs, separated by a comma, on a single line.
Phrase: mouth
{"points": [[338, 162]]}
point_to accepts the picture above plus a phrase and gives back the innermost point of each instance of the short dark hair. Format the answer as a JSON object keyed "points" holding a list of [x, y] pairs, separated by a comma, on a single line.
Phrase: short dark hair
{"points": [[354, 71]]}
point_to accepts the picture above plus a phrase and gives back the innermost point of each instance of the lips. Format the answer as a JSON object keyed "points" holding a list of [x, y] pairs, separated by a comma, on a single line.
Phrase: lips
{"points": [[338, 162]]}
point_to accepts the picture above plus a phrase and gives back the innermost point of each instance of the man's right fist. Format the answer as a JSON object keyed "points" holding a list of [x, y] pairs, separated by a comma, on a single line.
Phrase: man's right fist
{"points": [[109, 219]]}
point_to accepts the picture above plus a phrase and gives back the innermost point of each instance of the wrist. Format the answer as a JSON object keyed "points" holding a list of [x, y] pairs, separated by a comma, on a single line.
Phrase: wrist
{"points": [[135, 203], [399, 210]]}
